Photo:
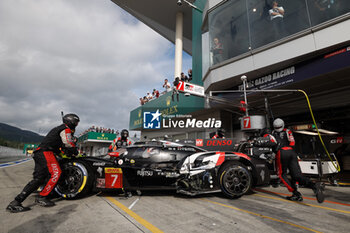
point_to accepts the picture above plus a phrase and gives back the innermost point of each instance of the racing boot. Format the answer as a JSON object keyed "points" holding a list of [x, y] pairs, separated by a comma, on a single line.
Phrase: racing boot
{"points": [[16, 206], [44, 201], [318, 190], [295, 197]]}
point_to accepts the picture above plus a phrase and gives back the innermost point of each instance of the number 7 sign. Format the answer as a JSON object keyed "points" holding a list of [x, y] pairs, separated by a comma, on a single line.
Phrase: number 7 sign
{"points": [[181, 86], [246, 123]]}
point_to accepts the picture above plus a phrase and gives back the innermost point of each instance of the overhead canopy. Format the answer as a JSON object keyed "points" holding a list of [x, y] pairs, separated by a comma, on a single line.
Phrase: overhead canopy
{"points": [[160, 15]]}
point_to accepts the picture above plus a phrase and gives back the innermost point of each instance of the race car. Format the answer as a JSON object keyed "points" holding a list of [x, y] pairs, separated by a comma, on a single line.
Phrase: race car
{"points": [[165, 165]]}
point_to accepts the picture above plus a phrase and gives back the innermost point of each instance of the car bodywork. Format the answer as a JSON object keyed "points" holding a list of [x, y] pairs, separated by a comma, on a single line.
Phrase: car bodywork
{"points": [[160, 165]]}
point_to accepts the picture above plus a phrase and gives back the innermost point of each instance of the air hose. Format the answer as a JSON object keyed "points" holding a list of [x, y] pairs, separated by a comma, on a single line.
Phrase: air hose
{"points": [[334, 163]]}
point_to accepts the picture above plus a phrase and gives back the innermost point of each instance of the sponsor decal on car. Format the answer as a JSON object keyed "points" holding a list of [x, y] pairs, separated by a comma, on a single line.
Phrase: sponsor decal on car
{"points": [[100, 183], [199, 142], [112, 170], [144, 173], [219, 143], [114, 177], [99, 170], [98, 164]]}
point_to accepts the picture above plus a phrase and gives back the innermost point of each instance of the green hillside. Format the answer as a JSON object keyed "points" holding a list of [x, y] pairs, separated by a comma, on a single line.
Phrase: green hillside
{"points": [[15, 137]]}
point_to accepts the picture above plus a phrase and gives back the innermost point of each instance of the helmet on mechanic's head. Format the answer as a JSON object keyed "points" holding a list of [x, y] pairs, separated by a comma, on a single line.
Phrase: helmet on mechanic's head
{"points": [[221, 132], [278, 124], [71, 120], [124, 133]]}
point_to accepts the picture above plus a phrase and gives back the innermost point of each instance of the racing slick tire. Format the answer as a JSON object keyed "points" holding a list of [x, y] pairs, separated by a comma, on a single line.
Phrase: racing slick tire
{"points": [[76, 180], [235, 179]]}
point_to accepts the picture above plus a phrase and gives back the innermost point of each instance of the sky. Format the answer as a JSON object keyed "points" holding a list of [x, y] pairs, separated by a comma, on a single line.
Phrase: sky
{"points": [[87, 57]]}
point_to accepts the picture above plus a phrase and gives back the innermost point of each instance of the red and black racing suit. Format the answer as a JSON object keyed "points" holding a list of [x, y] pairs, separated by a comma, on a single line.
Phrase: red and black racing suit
{"points": [[47, 169], [122, 142], [287, 158]]}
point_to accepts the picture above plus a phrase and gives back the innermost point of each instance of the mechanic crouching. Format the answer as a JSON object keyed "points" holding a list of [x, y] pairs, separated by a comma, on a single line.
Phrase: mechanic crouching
{"points": [[47, 170], [287, 159]]}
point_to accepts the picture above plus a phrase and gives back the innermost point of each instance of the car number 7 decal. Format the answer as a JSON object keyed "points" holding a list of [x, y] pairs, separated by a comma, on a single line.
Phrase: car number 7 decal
{"points": [[114, 177]]}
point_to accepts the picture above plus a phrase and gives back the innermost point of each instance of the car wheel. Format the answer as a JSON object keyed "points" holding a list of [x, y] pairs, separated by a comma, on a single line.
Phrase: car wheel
{"points": [[75, 181], [235, 180]]}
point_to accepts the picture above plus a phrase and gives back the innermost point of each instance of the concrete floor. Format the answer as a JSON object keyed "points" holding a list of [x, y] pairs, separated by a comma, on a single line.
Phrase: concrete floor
{"points": [[264, 210]]}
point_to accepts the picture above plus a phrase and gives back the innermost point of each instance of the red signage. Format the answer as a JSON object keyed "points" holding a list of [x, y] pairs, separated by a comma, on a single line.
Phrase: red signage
{"points": [[246, 122], [219, 143], [199, 142], [340, 140]]}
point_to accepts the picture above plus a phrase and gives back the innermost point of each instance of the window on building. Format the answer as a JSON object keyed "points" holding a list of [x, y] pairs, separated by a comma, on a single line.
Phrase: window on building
{"points": [[238, 26], [228, 31], [323, 10], [271, 20]]}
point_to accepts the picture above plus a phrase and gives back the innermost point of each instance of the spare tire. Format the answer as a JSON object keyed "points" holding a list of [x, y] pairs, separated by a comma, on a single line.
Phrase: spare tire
{"points": [[76, 179]]}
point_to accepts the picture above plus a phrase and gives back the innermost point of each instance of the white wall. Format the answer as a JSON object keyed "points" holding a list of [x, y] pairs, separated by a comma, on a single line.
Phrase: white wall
{"points": [[10, 151]]}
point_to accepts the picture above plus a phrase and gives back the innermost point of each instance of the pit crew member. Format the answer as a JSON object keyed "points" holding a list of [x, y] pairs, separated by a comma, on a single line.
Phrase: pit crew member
{"points": [[220, 134], [287, 158], [120, 141], [47, 170]]}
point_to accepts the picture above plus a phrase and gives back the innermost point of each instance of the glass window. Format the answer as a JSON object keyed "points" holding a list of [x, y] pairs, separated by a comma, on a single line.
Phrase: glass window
{"points": [[228, 31], [273, 20], [268, 20], [323, 10], [205, 52]]}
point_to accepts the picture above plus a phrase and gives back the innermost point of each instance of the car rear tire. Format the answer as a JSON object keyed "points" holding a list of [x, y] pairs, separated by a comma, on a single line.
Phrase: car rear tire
{"points": [[235, 180], [76, 180]]}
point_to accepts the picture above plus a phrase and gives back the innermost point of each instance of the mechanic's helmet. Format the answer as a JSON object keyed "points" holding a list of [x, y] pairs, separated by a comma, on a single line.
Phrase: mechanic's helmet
{"points": [[124, 133], [278, 124], [71, 120], [221, 132]]}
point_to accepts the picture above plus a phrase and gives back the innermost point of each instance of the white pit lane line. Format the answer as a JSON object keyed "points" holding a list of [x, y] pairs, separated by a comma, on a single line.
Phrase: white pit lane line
{"points": [[132, 204]]}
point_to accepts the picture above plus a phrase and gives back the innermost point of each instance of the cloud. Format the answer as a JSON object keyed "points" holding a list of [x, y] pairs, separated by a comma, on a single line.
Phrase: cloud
{"points": [[88, 57]]}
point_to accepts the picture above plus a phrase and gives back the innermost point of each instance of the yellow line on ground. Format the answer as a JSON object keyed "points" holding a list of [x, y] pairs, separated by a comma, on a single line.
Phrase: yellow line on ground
{"points": [[343, 183], [305, 204], [262, 216], [142, 221]]}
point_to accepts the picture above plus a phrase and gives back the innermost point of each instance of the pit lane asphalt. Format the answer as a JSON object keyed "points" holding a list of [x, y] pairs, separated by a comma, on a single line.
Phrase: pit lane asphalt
{"points": [[264, 210]]}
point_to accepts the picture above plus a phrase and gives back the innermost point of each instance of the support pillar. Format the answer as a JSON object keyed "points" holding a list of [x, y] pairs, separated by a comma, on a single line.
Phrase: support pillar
{"points": [[178, 44]]}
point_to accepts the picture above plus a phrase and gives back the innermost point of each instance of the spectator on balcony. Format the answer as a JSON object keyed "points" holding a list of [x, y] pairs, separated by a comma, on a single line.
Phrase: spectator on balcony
{"points": [[141, 101], [175, 90], [189, 73], [218, 51], [145, 100], [155, 94], [276, 17], [184, 78], [167, 85], [149, 96]]}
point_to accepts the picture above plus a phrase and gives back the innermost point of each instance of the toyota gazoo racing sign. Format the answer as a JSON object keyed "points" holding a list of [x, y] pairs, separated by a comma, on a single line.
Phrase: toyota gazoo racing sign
{"points": [[190, 88]]}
